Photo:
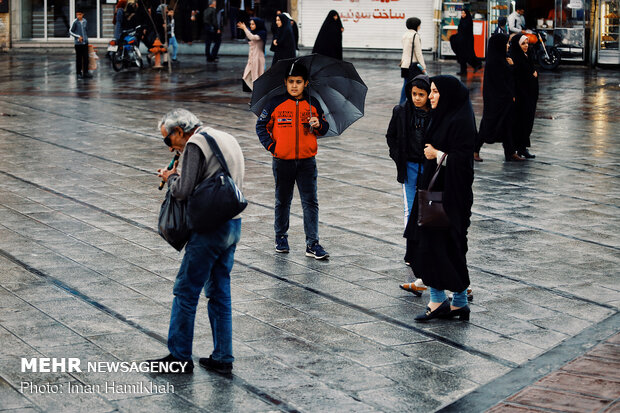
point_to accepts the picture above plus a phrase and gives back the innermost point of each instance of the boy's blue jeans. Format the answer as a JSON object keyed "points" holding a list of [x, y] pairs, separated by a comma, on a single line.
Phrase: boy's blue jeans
{"points": [[414, 170], [206, 265], [303, 172]]}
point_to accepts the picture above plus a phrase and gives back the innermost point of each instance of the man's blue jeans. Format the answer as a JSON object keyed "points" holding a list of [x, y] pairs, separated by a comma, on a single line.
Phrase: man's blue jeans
{"points": [[207, 264], [286, 173]]}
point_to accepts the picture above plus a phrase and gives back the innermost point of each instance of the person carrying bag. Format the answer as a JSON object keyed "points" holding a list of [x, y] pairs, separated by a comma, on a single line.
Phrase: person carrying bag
{"points": [[412, 61], [211, 160]]}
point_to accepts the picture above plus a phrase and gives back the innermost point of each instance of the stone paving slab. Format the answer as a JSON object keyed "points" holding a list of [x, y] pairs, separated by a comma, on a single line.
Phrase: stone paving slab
{"points": [[83, 272], [590, 383]]}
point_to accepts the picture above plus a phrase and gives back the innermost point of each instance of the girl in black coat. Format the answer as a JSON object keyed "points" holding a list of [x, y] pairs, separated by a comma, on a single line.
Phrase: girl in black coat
{"points": [[498, 92], [283, 46], [329, 40], [462, 44], [438, 255], [526, 89]]}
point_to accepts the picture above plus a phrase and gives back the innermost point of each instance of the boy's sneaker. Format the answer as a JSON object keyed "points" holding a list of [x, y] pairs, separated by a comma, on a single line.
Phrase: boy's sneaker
{"points": [[216, 366], [282, 244], [315, 250]]}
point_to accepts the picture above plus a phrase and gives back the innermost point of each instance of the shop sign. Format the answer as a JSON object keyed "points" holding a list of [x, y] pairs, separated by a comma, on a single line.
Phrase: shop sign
{"points": [[575, 4], [4, 6]]}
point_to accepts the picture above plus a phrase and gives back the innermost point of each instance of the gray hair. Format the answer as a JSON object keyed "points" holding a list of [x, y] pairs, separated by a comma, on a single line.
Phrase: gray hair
{"points": [[210, 2], [182, 118]]}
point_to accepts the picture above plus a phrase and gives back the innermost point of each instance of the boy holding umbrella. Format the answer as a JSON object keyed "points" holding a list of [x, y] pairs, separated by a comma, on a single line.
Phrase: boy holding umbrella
{"points": [[288, 127]]}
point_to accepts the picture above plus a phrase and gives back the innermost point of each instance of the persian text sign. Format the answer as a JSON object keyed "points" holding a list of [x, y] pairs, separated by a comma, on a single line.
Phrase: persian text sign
{"points": [[368, 23]]}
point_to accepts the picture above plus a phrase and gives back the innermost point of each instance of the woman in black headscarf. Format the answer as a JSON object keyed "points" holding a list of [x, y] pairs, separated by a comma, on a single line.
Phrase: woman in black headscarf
{"points": [[498, 93], [437, 256], [329, 40], [283, 45], [526, 93], [462, 43]]}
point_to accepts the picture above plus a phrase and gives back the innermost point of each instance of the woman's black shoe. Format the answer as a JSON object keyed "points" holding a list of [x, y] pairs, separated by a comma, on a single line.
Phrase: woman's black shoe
{"points": [[440, 312], [462, 313], [527, 154]]}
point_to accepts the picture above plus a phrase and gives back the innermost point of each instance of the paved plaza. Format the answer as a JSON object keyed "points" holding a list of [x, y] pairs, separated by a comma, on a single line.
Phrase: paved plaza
{"points": [[84, 274]]}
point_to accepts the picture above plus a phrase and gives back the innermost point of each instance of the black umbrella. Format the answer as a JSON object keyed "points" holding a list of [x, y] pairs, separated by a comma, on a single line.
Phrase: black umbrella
{"points": [[334, 83]]}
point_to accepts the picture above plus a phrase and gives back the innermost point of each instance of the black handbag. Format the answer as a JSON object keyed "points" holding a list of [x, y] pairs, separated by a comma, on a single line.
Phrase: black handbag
{"points": [[215, 200], [431, 213], [172, 223]]}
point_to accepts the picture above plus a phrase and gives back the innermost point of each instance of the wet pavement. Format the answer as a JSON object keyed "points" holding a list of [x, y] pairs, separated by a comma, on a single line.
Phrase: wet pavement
{"points": [[84, 273]]}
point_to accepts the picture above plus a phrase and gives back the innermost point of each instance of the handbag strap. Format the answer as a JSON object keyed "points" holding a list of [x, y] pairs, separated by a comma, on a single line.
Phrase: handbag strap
{"points": [[216, 151], [430, 186], [412, 47]]}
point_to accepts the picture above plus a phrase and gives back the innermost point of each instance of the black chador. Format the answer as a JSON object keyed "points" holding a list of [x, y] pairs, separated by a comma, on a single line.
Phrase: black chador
{"points": [[526, 93], [438, 256], [498, 92], [285, 49], [462, 44], [329, 40]]}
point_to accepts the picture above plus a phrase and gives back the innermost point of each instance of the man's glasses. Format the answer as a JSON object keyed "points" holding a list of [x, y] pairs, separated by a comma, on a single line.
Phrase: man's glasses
{"points": [[167, 139]]}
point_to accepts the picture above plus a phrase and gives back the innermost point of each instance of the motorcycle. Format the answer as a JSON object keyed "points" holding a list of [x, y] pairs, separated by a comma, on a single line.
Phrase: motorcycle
{"points": [[127, 53], [548, 57]]}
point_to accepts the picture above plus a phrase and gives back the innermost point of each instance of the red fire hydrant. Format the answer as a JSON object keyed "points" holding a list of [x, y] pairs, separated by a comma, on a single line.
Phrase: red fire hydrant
{"points": [[157, 50]]}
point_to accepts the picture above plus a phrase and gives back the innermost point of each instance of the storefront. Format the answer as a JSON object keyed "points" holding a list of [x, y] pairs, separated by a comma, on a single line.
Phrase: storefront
{"points": [[582, 30], [368, 24], [45, 21]]}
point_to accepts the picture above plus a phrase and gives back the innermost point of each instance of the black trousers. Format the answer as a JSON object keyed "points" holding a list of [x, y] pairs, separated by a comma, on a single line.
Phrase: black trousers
{"points": [[81, 59]]}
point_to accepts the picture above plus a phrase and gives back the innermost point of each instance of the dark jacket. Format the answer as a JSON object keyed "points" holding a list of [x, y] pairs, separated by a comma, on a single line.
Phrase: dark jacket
{"points": [[210, 19], [405, 135], [438, 256]]}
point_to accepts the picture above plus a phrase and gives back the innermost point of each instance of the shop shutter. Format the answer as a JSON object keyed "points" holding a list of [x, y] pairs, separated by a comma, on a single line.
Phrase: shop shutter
{"points": [[367, 23]]}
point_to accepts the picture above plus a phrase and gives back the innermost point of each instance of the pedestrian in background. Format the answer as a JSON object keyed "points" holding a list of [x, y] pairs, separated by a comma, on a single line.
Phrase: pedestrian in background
{"points": [[501, 26], [412, 60], [295, 30], [213, 32], [438, 256], [526, 93], [462, 43], [498, 93], [209, 256], [172, 38], [78, 31], [329, 40], [257, 36], [119, 19], [283, 45], [288, 128]]}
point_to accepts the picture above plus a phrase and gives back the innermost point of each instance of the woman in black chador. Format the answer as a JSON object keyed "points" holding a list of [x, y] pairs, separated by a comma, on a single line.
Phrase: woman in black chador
{"points": [[437, 256], [329, 40], [283, 45], [526, 89], [462, 44], [498, 92]]}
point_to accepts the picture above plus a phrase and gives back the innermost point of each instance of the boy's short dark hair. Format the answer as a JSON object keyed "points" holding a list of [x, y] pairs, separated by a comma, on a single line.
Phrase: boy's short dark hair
{"points": [[78, 11], [297, 69]]}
